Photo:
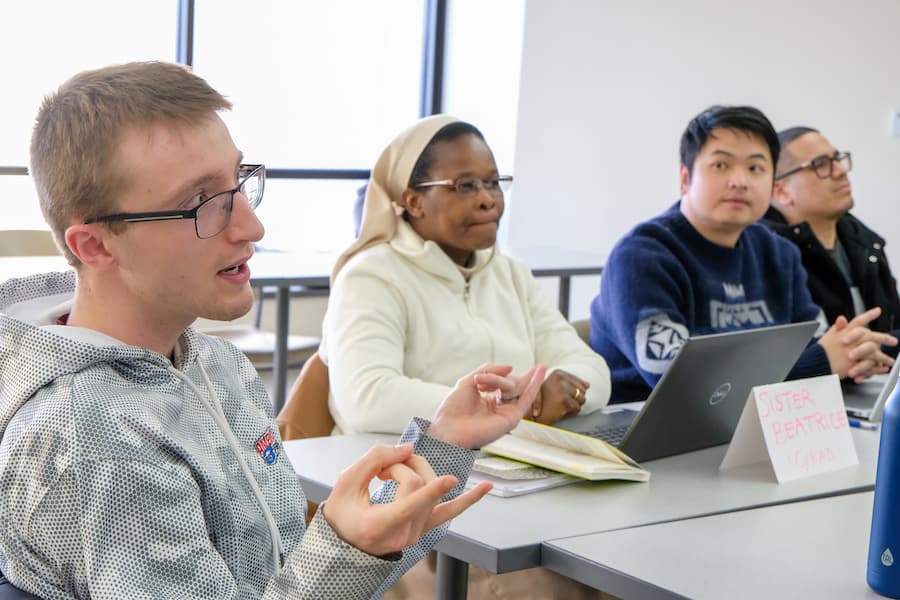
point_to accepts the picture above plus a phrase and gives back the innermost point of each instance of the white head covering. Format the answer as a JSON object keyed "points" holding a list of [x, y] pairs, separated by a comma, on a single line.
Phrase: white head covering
{"points": [[390, 177]]}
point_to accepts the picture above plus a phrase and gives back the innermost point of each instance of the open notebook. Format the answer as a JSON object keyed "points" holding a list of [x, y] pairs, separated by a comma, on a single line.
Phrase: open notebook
{"points": [[554, 457]]}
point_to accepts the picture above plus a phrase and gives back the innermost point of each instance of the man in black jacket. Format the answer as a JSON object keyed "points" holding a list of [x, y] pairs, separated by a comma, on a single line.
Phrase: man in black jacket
{"points": [[847, 268]]}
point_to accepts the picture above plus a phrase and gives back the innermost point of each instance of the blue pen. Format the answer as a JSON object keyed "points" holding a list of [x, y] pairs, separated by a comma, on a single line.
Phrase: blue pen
{"points": [[863, 424]]}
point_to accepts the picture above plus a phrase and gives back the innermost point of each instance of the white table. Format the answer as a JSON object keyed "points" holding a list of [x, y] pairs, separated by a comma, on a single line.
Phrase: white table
{"points": [[505, 534], [309, 273], [274, 269], [812, 549], [285, 271]]}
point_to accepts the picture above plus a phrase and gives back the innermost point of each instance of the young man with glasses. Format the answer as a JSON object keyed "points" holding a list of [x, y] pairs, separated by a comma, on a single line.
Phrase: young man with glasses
{"points": [[140, 458], [846, 266], [705, 266]]}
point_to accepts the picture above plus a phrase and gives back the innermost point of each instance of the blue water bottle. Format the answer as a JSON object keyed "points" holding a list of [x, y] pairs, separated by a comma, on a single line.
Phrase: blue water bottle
{"points": [[883, 570]]}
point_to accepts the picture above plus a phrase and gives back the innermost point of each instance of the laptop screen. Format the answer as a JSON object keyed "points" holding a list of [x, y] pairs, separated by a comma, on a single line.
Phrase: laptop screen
{"points": [[699, 399]]}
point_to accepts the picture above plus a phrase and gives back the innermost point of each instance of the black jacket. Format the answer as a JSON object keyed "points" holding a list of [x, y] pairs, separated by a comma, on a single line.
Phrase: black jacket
{"points": [[868, 265]]}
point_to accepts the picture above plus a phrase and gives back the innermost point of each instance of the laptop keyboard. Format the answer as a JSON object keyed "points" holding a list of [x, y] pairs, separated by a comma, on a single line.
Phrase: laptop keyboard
{"points": [[610, 435]]}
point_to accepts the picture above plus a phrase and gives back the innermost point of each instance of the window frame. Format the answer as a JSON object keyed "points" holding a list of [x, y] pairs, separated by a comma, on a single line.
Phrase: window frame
{"points": [[430, 93]]}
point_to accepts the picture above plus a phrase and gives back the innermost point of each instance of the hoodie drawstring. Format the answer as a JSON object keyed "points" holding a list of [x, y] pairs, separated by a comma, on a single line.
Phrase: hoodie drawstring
{"points": [[218, 416]]}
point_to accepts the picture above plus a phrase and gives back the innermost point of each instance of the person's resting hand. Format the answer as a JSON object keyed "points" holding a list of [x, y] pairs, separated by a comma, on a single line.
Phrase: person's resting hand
{"points": [[382, 529], [854, 350], [562, 395], [484, 405]]}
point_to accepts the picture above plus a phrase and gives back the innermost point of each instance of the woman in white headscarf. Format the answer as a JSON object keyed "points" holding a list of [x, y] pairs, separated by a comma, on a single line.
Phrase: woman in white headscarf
{"points": [[424, 295]]}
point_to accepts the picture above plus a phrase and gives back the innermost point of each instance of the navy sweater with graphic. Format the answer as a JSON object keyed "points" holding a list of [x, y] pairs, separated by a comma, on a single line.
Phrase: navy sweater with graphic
{"points": [[664, 282]]}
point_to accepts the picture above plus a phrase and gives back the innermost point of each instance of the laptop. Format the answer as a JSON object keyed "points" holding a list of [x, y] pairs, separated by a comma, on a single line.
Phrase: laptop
{"points": [[699, 399], [866, 400]]}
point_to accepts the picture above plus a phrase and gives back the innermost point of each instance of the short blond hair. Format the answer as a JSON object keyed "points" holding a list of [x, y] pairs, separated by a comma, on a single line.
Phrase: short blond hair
{"points": [[79, 128]]}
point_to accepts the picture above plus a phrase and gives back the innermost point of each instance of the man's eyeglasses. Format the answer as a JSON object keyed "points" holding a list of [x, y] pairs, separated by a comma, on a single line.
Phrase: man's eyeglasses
{"points": [[212, 215], [823, 166], [469, 186]]}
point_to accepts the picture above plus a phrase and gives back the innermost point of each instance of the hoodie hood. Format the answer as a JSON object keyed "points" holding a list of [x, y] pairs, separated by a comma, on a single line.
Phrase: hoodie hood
{"points": [[381, 213], [70, 397], [35, 351], [429, 257]]}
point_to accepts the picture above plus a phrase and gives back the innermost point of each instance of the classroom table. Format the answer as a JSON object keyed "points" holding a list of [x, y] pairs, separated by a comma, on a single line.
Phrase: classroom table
{"points": [[505, 534], [308, 274], [810, 549]]}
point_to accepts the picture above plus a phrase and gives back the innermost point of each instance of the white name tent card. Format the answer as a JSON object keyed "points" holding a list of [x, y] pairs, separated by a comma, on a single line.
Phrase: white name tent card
{"points": [[800, 427]]}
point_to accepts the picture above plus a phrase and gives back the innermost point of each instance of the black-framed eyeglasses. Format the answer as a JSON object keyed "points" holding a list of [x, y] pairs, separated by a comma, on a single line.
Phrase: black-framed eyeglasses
{"points": [[823, 166], [212, 215], [469, 186]]}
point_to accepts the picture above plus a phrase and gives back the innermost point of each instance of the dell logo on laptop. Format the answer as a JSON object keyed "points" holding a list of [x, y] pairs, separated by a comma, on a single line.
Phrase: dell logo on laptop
{"points": [[719, 394]]}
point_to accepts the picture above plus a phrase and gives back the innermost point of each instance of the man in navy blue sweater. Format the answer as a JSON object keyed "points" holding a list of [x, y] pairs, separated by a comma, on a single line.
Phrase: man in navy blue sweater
{"points": [[705, 266]]}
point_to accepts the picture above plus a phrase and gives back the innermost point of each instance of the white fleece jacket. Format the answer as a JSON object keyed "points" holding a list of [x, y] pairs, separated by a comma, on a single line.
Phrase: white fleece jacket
{"points": [[404, 322]]}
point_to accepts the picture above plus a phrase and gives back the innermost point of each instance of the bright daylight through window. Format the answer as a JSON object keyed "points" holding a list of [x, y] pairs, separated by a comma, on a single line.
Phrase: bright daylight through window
{"points": [[315, 86]]}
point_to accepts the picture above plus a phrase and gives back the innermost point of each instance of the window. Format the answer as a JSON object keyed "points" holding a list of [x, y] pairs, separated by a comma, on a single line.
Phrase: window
{"points": [[308, 215], [319, 91], [318, 88], [24, 211], [481, 80], [312, 88], [43, 50]]}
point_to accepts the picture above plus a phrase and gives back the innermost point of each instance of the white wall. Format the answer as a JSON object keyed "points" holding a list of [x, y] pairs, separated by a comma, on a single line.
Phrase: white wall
{"points": [[607, 87]]}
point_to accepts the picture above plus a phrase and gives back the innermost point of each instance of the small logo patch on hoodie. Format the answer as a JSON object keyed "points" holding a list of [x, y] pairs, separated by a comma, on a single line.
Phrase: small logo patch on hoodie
{"points": [[266, 445]]}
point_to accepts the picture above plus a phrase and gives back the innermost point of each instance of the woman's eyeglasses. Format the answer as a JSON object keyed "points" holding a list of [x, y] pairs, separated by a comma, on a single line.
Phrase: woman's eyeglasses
{"points": [[469, 186]]}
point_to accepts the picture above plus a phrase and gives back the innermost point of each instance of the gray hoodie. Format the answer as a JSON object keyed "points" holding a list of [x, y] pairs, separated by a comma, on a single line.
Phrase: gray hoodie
{"points": [[123, 475]]}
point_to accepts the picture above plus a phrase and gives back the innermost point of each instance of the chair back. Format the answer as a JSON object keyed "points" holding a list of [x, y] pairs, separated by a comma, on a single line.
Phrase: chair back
{"points": [[259, 345], [10, 592], [27, 242], [306, 414], [583, 329]]}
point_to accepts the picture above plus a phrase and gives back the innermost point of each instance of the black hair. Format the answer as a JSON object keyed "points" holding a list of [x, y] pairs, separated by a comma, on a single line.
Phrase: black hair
{"points": [[740, 118], [786, 136], [422, 169]]}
